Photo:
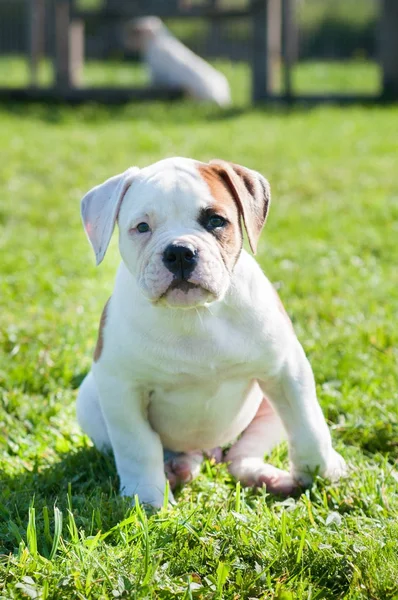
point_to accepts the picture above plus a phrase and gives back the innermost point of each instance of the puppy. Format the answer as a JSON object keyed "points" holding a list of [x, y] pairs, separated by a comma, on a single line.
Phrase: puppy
{"points": [[195, 350], [173, 65]]}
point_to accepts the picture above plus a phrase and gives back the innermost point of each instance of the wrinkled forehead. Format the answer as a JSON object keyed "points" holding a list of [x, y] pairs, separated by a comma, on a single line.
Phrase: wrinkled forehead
{"points": [[176, 190]]}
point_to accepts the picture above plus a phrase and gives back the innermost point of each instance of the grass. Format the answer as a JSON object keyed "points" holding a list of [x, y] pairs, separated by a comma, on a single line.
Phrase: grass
{"points": [[310, 13], [358, 75], [329, 246]]}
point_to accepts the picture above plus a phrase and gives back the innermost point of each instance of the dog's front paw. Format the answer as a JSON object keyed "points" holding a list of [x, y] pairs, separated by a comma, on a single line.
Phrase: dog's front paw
{"points": [[336, 467], [333, 469], [254, 472], [149, 494]]}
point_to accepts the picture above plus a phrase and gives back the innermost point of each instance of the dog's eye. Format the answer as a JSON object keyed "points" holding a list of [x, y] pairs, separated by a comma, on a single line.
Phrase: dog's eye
{"points": [[143, 227], [216, 221]]}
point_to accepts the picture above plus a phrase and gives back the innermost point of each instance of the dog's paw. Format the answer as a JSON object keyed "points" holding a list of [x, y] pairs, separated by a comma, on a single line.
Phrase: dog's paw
{"points": [[333, 469], [336, 467], [182, 468], [253, 472], [216, 454], [150, 495]]}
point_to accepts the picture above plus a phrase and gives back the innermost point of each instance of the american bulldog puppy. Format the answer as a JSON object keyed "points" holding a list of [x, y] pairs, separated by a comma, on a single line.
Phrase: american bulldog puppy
{"points": [[195, 349]]}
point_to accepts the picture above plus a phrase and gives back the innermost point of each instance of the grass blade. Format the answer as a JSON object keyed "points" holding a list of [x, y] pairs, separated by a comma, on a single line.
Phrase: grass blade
{"points": [[222, 575], [57, 531], [301, 547], [237, 497], [31, 533]]}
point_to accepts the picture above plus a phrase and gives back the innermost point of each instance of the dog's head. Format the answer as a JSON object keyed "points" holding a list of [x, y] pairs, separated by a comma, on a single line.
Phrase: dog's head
{"points": [[139, 33], [180, 232]]}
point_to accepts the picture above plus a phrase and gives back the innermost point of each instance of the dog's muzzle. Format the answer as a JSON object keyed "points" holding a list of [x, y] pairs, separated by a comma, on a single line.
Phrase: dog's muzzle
{"points": [[185, 290]]}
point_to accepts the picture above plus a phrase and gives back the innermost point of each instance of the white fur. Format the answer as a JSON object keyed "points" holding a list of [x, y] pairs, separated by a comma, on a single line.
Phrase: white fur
{"points": [[173, 65], [193, 378]]}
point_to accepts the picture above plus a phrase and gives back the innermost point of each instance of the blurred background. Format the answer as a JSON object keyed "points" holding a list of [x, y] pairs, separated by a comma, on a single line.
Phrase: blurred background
{"points": [[274, 48]]}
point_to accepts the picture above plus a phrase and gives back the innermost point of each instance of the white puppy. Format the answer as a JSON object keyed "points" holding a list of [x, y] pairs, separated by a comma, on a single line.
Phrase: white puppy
{"points": [[195, 348], [173, 65]]}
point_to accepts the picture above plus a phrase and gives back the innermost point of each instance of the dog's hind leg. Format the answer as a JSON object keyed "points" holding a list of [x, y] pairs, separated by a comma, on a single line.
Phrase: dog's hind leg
{"points": [[246, 457], [89, 414]]}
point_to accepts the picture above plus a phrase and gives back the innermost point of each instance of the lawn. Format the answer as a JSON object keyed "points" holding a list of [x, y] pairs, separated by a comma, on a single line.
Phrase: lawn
{"points": [[350, 76], [330, 247]]}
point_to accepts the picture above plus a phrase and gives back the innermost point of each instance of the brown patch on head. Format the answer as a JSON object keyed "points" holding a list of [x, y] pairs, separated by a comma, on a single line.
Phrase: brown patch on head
{"points": [[230, 236], [251, 192], [100, 340]]}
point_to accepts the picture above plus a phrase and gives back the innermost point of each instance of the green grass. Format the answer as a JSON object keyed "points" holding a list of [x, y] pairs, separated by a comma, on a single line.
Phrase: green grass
{"points": [[311, 12], [329, 246], [328, 76]]}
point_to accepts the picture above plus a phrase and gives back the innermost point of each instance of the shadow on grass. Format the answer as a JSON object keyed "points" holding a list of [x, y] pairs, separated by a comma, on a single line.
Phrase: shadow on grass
{"points": [[85, 481], [376, 438], [180, 112], [183, 112], [177, 111]]}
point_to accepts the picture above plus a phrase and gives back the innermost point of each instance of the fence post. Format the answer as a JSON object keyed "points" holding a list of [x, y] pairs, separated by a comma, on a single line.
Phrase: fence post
{"points": [[36, 38], [289, 44], [76, 41], [266, 48], [389, 48], [69, 46], [215, 29]]}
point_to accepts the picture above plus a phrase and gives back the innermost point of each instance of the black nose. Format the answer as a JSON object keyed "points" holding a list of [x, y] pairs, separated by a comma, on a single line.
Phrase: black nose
{"points": [[180, 260]]}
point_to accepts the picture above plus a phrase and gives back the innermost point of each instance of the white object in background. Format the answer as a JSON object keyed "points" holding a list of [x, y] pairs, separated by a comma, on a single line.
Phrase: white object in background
{"points": [[173, 65]]}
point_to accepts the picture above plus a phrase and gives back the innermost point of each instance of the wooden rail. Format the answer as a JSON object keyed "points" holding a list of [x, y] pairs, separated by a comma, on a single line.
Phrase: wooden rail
{"points": [[273, 43], [73, 95]]}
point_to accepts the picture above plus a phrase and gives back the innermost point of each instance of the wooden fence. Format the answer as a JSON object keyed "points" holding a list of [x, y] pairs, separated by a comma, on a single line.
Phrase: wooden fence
{"points": [[272, 40]]}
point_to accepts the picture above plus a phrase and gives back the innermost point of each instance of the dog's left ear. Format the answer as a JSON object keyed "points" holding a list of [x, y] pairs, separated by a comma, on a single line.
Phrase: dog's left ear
{"points": [[100, 208], [252, 194]]}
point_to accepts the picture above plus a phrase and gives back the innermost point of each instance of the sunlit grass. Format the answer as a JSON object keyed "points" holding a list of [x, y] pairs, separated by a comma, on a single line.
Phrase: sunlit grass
{"points": [[346, 76], [330, 248]]}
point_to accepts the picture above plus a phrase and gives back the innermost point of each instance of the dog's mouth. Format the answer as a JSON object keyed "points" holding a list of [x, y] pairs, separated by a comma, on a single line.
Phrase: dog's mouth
{"points": [[185, 294], [183, 285]]}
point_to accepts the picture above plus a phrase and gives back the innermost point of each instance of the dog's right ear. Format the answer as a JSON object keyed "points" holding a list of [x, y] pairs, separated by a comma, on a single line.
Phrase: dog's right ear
{"points": [[251, 192], [100, 208]]}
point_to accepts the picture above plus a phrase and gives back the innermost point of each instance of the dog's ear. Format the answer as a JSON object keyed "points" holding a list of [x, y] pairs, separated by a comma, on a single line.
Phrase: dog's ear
{"points": [[100, 208], [252, 194]]}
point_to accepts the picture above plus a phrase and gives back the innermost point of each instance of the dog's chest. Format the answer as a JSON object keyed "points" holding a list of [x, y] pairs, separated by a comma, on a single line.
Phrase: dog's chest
{"points": [[202, 390], [215, 350], [203, 415]]}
